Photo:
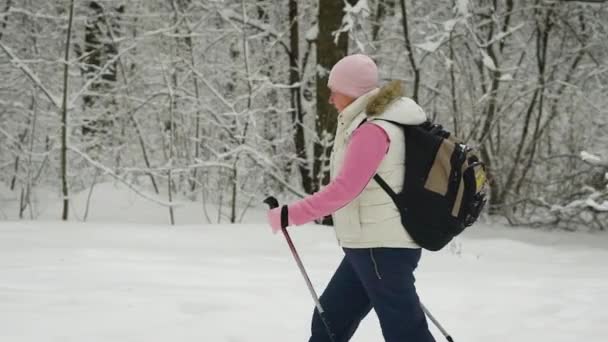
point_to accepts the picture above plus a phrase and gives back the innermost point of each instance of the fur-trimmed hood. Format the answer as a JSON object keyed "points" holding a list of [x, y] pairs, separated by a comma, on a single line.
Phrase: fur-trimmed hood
{"points": [[380, 103], [390, 104]]}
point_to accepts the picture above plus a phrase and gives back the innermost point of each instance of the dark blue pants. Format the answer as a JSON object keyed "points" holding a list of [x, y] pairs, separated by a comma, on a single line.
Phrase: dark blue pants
{"points": [[379, 278]]}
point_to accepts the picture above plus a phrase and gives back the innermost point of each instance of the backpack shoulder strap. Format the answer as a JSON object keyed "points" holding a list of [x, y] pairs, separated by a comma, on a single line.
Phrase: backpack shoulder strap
{"points": [[427, 125], [389, 191], [362, 122], [383, 184]]}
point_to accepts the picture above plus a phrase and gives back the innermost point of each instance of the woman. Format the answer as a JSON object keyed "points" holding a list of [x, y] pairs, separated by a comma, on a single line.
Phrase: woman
{"points": [[380, 256]]}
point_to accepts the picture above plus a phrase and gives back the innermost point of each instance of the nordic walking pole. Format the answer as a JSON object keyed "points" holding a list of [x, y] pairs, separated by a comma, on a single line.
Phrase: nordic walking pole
{"points": [[273, 203], [445, 333]]}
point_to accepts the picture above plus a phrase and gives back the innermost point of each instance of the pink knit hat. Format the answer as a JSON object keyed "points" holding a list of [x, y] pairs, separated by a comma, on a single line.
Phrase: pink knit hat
{"points": [[353, 75]]}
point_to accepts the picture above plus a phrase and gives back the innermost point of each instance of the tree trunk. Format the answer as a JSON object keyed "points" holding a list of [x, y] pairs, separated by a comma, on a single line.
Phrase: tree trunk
{"points": [[171, 156], [30, 166], [99, 49], [328, 54], [5, 20], [296, 97], [19, 147], [384, 9], [455, 114], [64, 117], [131, 112], [493, 91], [541, 59], [496, 198], [410, 50], [507, 21], [197, 125]]}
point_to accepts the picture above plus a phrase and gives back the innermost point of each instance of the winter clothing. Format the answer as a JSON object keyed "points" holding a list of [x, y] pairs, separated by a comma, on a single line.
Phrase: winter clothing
{"points": [[353, 75], [380, 256], [367, 148], [364, 215], [381, 278], [372, 219]]}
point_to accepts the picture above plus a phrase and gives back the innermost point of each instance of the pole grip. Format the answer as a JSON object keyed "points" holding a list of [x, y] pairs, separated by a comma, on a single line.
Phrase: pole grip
{"points": [[272, 202]]}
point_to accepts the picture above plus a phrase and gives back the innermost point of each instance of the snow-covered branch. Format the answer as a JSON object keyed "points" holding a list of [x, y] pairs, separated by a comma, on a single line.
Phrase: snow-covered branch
{"points": [[593, 159], [99, 73], [31, 75], [106, 170]]}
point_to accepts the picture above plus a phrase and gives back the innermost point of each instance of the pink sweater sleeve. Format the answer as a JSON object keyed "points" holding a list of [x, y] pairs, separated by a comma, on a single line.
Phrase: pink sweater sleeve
{"points": [[367, 147]]}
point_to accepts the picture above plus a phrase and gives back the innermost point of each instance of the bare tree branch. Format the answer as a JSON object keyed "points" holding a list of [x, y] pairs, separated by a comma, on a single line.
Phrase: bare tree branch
{"points": [[31, 75]]}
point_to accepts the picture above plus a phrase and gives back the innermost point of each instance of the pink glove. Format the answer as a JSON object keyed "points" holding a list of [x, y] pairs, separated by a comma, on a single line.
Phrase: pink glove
{"points": [[274, 219]]}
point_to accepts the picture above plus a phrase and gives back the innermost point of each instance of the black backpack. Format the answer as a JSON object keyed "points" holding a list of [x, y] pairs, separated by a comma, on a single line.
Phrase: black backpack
{"points": [[444, 186]]}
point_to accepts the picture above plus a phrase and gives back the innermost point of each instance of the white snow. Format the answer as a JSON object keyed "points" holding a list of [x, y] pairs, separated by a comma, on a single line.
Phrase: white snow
{"points": [[312, 33], [463, 7], [448, 25], [112, 202], [508, 32], [590, 158], [120, 282], [597, 206], [487, 61], [321, 71], [429, 45], [136, 281]]}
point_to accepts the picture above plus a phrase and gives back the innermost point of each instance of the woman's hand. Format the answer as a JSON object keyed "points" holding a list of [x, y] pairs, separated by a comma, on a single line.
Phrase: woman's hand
{"points": [[274, 219]]}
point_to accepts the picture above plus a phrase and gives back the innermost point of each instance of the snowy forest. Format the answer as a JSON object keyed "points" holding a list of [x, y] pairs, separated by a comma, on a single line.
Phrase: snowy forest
{"points": [[222, 102], [139, 139]]}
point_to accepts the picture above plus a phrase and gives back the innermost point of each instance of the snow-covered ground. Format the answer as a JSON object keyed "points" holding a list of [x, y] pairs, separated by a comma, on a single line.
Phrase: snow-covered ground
{"points": [[110, 281]]}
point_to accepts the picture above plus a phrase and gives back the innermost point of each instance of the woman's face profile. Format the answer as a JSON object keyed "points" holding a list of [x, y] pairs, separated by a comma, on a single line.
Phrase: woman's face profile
{"points": [[339, 100]]}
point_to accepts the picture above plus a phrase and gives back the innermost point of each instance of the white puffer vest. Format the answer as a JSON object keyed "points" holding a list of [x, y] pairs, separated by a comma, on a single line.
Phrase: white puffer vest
{"points": [[372, 220]]}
